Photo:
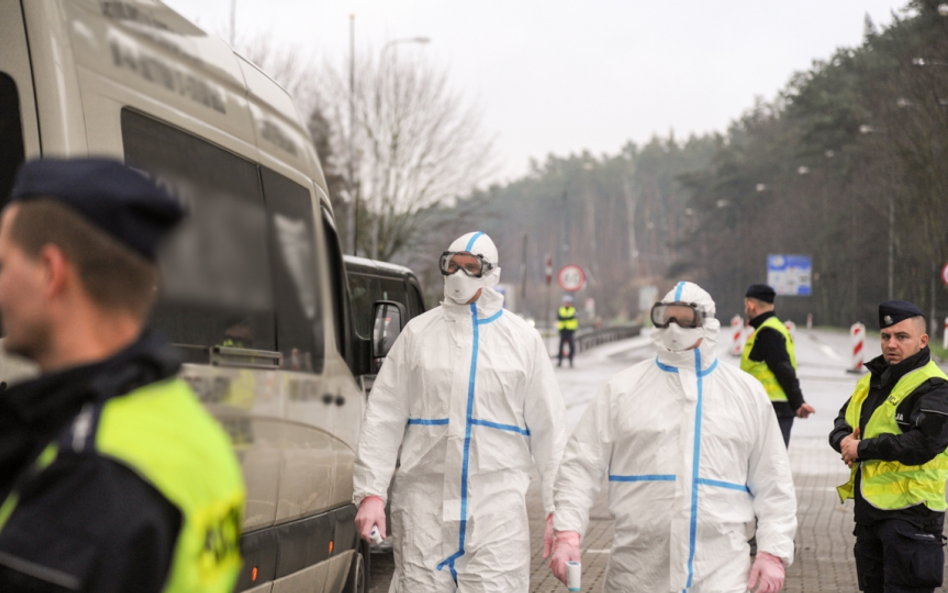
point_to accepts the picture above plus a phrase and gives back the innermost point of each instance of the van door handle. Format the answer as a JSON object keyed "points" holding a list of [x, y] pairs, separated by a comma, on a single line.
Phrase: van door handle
{"points": [[327, 398], [340, 401]]}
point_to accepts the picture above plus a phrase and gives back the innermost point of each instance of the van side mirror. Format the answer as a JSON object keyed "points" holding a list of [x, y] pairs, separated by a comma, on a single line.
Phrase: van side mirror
{"points": [[390, 319]]}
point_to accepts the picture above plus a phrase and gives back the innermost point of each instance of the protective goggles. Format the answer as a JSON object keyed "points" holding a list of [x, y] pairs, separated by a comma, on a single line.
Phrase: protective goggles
{"points": [[473, 265], [684, 314]]}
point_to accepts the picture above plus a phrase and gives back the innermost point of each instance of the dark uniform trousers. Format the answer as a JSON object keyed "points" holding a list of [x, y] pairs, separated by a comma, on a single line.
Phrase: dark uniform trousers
{"points": [[567, 338], [894, 556]]}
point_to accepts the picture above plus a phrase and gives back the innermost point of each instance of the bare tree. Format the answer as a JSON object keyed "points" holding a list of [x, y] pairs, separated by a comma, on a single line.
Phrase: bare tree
{"points": [[416, 143]]}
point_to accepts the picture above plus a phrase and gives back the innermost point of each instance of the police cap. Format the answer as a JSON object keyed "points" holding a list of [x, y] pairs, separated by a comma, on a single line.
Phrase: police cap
{"points": [[892, 312], [115, 198], [761, 292]]}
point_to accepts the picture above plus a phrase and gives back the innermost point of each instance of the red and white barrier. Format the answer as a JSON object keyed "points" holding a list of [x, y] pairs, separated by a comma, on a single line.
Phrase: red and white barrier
{"points": [[944, 337], [737, 333], [809, 321], [857, 336]]}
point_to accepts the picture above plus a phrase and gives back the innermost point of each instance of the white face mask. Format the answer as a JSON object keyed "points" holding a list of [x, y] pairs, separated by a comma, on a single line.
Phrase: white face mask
{"points": [[678, 339], [461, 288]]}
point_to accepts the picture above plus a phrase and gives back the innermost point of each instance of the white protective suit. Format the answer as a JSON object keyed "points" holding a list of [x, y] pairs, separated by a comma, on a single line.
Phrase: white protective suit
{"points": [[693, 452], [468, 392]]}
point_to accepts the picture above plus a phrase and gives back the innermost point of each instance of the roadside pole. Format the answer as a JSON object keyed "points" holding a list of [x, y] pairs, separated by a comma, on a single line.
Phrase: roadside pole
{"points": [[549, 288]]}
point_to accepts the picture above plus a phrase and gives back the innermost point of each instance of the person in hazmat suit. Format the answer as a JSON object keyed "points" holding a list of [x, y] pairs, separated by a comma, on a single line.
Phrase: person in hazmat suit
{"points": [[469, 394], [693, 453]]}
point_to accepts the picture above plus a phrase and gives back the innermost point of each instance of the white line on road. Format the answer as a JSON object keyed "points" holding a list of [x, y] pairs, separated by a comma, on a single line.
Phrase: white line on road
{"points": [[829, 352]]}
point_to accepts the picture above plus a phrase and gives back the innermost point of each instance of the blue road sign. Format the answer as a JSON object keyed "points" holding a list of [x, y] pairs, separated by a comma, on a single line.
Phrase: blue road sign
{"points": [[790, 275]]}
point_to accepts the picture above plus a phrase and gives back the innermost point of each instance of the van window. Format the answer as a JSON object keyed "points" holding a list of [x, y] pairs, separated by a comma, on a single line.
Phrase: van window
{"points": [[11, 136], [290, 212], [416, 305], [337, 277], [216, 282], [363, 291], [394, 290]]}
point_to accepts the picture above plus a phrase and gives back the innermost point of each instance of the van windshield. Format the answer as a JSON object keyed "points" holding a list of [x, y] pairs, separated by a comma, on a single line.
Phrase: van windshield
{"points": [[11, 136]]}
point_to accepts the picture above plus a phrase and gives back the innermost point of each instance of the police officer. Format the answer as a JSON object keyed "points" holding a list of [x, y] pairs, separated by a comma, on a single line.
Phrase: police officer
{"points": [[567, 324], [770, 357], [113, 478], [892, 433]]}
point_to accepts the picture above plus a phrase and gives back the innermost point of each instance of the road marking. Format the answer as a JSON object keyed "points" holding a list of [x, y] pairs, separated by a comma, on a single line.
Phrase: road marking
{"points": [[829, 352]]}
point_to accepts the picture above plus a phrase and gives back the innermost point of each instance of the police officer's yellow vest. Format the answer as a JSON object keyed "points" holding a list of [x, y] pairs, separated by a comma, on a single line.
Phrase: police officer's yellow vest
{"points": [[889, 485], [570, 323], [760, 370], [163, 434]]}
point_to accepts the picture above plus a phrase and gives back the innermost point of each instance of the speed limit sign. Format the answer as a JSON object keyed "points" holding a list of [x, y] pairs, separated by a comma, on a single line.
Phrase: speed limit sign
{"points": [[571, 278]]}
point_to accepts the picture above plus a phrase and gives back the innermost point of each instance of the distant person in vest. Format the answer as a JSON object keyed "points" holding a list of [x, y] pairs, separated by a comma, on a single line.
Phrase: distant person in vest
{"points": [[892, 433], [770, 357], [113, 477], [567, 324]]}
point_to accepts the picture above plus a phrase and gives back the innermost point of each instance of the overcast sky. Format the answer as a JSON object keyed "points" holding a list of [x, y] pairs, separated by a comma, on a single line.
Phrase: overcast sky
{"points": [[560, 77]]}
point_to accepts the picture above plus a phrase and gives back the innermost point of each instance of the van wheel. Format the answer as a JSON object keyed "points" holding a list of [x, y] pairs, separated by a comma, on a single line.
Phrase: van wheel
{"points": [[359, 570]]}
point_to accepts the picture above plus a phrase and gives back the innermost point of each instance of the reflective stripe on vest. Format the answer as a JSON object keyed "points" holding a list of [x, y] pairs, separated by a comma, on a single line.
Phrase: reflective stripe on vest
{"points": [[163, 433], [890, 485], [570, 322], [760, 370]]}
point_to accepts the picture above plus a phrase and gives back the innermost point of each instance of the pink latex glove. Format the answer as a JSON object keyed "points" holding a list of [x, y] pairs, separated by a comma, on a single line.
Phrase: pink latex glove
{"points": [[771, 572], [565, 549], [548, 537], [371, 512]]}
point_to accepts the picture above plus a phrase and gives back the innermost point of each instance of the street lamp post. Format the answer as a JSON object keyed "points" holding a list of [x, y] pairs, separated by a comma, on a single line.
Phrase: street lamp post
{"points": [[353, 217], [233, 21], [866, 129]]}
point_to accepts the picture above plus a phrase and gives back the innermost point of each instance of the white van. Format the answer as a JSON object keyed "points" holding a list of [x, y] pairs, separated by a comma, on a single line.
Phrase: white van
{"points": [[254, 290]]}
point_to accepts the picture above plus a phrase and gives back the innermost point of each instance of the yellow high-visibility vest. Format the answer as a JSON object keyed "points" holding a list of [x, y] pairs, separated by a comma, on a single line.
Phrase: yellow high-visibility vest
{"points": [[759, 369], [162, 432], [568, 319], [890, 485]]}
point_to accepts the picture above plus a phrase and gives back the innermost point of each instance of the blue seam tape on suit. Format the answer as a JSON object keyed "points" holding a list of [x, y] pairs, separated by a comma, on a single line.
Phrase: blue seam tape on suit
{"points": [[665, 367], [643, 478], [499, 426], [493, 317], [678, 289], [428, 422], [470, 422], [470, 244], [722, 484], [694, 473]]}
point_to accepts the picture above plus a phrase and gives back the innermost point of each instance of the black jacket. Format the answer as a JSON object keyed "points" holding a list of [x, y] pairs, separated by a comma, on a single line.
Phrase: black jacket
{"points": [[87, 523], [771, 348], [922, 418]]}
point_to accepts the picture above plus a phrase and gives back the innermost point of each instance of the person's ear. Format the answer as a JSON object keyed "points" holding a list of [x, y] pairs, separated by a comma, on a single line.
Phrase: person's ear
{"points": [[56, 269], [923, 340]]}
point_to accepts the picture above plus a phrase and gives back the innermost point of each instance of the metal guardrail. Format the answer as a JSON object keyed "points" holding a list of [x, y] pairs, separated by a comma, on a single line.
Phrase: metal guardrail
{"points": [[597, 337]]}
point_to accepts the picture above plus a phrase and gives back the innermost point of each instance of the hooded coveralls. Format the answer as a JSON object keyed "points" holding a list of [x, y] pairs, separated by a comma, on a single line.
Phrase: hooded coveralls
{"points": [[468, 392], [693, 452]]}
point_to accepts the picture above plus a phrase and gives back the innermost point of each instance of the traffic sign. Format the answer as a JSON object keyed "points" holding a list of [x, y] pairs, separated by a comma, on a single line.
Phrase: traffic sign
{"points": [[944, 274], [790, 274], [571, 278]]}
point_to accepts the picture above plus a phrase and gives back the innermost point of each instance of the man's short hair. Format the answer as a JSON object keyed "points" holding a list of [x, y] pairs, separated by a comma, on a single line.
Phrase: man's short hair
{"points": [[760, 304], [114, 276]]}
